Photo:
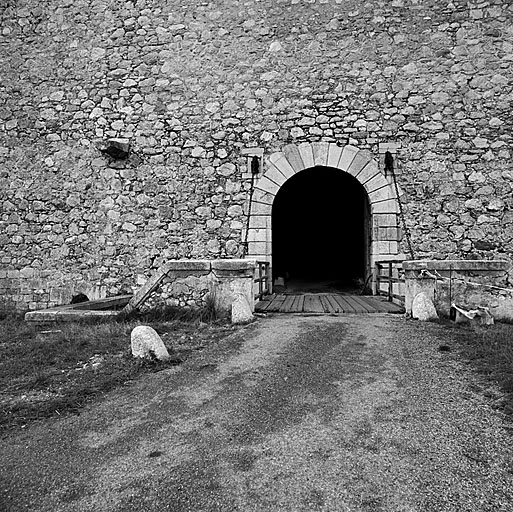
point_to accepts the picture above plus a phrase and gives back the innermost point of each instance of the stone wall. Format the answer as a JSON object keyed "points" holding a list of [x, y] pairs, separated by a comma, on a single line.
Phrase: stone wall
{"points": [[465, 283], [194, 284], [192, 85]]}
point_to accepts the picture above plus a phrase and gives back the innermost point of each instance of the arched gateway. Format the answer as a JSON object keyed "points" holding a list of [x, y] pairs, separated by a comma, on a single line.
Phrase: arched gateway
{"points": [[382, 234]]}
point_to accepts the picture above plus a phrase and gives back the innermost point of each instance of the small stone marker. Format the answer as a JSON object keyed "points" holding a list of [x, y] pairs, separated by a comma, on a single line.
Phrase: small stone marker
{"points": [[146, 342], [423, 308], [241, 307]]}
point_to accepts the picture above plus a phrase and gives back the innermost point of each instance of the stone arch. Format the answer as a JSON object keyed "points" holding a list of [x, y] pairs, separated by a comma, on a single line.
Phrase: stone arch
{"points": [[282, 165]]}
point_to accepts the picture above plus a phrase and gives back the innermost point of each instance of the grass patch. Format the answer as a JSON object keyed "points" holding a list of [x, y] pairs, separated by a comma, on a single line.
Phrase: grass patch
{"points": [[54, 370], [490, 350]]}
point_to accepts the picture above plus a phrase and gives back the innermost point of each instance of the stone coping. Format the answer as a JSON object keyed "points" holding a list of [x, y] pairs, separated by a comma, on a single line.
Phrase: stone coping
{"points": [[206, 266], [102, 308], [458, 265]]}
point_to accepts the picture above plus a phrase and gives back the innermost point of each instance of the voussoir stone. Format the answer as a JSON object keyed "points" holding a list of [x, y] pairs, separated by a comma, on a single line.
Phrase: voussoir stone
{"points": [[146, 343]]}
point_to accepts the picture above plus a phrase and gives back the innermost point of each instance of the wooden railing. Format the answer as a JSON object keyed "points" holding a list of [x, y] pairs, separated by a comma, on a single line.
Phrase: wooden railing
{"points": [[390, 274], [263, 279]]}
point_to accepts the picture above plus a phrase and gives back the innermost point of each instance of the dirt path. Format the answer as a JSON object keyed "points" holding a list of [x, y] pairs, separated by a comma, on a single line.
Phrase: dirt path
{"points": [[355, 413]]}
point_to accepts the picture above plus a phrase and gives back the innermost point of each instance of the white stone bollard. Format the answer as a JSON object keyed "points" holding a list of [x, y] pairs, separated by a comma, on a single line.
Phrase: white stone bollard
{"points": [[423, 308], [145, 341], [242, 310]]}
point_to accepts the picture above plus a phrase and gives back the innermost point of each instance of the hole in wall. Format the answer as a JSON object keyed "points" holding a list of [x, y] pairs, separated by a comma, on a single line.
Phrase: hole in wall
{"points": [[80, 297]]}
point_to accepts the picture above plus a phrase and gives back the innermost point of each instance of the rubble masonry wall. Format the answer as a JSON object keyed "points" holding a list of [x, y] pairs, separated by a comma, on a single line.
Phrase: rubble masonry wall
{"points": [[191, 85]]}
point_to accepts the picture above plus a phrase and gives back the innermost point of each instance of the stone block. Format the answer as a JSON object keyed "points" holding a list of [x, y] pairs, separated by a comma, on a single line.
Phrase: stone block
{"points": [[294, 158], [262, 196], [146, 343], [259, 208], [260, 221], [334, 154], [257, 257], [386, 234], [266, 185], [237, 268], [367, 173], [257, 235], [306, 152], [194, 267], [361, 159], [258, 247], [423, 308], [455, 265], [274, 174], [242, 301], [320, 153], [379, 182], [385, 220], [389, 207], [382, 194], [282, 164], [346, 159]]}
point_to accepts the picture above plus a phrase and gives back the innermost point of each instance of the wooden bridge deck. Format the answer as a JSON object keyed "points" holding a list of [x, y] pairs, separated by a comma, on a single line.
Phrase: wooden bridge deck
{"points": [[325, 303]]}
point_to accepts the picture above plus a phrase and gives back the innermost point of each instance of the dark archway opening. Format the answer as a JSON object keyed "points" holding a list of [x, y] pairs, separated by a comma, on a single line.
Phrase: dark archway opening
{"points": [[320, 232]]}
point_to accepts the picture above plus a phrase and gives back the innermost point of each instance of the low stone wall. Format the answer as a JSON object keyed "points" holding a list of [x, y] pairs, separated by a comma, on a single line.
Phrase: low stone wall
{"points": [[468, 283], [192, 283]]}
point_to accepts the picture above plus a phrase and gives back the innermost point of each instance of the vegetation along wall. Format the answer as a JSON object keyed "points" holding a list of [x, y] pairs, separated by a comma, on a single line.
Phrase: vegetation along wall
{"points": [[191, 85]]}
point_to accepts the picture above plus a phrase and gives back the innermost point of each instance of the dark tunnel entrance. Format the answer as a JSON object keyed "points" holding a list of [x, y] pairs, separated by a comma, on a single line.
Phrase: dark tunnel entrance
{"points": [[320, 232]]}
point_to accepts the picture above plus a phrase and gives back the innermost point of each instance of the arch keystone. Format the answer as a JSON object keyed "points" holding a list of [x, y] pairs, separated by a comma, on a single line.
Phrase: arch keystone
{"points": [[320, 153]]}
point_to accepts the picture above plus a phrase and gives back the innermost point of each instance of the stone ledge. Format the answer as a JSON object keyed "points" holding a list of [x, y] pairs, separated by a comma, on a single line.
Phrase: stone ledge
{"points": [[458, 265], [187, 266], [233, 265]]}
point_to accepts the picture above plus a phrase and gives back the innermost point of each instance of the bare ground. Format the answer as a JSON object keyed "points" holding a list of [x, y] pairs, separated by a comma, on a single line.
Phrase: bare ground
{"points": [[354, 413]]}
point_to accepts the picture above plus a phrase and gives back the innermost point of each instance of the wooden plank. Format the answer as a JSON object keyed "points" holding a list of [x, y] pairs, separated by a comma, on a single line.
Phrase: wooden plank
{"points": [[301, 303], [358, 308], [297, 305], [276, 303], [326, 304], [263, 305], [286, 307], [334, 304], [313, 304], [384, 306], [345, 306], [368, 307]]}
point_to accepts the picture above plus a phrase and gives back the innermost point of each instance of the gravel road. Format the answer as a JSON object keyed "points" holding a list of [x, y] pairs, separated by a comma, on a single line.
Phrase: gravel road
{"points": [[348, 413]]}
